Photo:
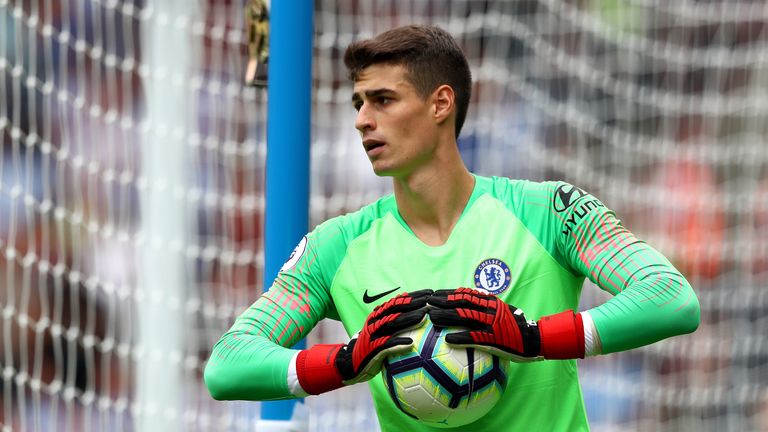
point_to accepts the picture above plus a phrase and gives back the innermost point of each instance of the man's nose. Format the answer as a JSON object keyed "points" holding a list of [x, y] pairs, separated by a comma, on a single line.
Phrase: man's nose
{"points": [[364, 121]]}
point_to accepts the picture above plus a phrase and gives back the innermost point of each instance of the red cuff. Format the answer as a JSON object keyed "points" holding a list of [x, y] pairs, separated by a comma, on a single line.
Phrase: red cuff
{"points": [[316, 370], [562, 336]]}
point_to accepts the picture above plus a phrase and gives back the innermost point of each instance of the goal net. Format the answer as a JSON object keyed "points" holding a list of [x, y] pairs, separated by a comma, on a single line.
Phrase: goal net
{"points": [[132, 177]]}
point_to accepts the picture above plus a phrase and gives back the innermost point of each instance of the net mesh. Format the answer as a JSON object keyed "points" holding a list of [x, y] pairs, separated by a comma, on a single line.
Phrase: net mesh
{"points": [[658, 108]]}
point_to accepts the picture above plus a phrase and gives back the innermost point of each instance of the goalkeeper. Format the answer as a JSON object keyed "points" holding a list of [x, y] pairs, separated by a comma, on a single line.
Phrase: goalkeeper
{"points": [[490, 248]]}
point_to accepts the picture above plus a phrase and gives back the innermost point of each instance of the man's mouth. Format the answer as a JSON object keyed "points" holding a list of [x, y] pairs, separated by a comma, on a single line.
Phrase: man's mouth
{"points": [[371, 144]]}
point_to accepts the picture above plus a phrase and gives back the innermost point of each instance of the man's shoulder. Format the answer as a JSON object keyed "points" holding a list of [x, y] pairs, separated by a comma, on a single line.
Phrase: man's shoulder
{"points": [[533, 198], [514, 191], [354, 223], [325, 246]]}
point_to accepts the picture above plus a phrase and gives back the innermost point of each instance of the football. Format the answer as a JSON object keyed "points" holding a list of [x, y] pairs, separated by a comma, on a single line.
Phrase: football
{"points": [[441, 385]]}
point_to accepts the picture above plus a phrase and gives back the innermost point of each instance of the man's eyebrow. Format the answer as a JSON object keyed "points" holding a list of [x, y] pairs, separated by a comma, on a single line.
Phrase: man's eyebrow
{"points": [[371, 94]]}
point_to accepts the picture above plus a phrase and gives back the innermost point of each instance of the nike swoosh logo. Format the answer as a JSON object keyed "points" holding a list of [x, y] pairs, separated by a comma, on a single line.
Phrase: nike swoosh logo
{"points": [[371, 299]]}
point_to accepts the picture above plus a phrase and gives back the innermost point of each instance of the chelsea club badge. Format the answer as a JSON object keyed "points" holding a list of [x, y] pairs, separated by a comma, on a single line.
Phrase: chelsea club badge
{"points": [[492, 275]]}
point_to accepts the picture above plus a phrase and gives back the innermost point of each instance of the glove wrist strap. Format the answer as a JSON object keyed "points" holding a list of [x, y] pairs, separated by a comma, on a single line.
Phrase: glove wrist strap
{"points": [[562, 336], [316, 369]]}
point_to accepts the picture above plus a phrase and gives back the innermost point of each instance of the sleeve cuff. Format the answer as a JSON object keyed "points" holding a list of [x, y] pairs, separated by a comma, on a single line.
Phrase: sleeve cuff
{"points": [[562, 336], [293, 379], [592, 345]]}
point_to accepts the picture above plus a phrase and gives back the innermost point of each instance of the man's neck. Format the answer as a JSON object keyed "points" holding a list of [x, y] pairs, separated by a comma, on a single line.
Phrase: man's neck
{"points": [[431, 199]]}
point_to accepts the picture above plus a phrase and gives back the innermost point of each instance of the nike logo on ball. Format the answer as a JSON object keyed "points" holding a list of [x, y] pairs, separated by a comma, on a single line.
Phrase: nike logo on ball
{"points": [[371, 299]]}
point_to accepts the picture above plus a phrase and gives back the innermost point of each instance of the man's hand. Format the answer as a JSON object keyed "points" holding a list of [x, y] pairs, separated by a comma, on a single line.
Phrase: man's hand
{"points": [[322, 368], [502, 329]]}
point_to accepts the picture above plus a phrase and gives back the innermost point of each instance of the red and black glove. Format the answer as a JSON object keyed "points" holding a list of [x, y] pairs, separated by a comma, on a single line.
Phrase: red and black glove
{"points": [[502, 329], [323, 368]]}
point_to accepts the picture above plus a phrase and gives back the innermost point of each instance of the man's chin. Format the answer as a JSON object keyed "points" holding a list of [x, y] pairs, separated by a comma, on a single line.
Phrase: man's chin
{"points": [[383, 171], [383, 174]]}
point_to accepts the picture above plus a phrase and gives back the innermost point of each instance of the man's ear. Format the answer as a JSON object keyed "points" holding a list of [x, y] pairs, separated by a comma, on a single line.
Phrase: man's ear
{"points": [[444, 100]]}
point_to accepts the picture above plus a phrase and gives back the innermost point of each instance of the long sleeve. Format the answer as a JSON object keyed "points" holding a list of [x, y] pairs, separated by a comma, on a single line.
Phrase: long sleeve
{"points": [[652, 300], [250, 361]]}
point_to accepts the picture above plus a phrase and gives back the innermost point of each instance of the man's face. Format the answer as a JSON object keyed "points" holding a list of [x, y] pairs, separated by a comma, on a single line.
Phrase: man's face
{"points": [[396, 125]]}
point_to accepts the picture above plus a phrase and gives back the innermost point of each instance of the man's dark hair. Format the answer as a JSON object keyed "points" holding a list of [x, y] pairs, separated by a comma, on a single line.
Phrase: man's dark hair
{"points": [[429, 54]]}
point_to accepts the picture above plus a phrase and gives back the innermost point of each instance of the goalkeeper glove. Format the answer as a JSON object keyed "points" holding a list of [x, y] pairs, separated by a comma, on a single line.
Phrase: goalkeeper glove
{"points": [[323, 368], [502, 329]]}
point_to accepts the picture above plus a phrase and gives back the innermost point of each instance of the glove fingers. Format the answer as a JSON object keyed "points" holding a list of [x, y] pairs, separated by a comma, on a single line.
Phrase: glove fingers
{"points": [[373, 364], [445, 303], [405, 302], [460, 338], [400, 342], [402, 322], [443, 293], [394, 344], [440, 297], [401, 304], [452, 318], [491, 349], [439, 301], [462, 298], [425, 293], [415, 303], [465, 339], [458, 291]]}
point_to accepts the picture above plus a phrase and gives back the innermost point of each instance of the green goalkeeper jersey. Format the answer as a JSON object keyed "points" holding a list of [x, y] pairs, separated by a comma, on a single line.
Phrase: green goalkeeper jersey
{"points": [[531, 244]]}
